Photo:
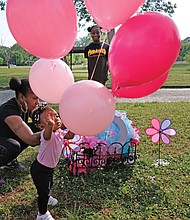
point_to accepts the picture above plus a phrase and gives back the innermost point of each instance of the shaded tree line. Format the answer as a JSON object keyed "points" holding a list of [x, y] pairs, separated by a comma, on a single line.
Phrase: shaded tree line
{"points": [[184, 54], [15, 55]]}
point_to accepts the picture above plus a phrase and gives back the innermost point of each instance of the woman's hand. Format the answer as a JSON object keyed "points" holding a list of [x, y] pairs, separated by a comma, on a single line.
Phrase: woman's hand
{"points": [[69, 135]]}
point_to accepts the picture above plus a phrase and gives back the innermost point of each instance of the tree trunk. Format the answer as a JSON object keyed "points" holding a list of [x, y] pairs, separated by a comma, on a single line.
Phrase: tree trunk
{"points": [[110, 35]]}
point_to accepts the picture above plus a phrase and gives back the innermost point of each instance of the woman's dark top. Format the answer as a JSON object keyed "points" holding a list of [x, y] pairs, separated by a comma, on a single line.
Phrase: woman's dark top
{"points": [[7, 109]]}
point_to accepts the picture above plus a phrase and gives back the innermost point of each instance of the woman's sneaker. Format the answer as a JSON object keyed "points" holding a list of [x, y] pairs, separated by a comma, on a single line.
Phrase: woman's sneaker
{"points": [[14, 164], [52, 201], [46, 216]]}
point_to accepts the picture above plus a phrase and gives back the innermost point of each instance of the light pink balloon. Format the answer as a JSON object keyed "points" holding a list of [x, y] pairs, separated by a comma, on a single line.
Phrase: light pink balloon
{"points": [[140, 90], [50, 78], [110, 13], [87, 108], [46, 29], [144, 48]]}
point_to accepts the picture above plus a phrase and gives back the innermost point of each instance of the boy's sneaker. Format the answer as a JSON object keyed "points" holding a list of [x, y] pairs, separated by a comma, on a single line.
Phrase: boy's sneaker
{"points": [[52, 201], [2, 181], [46, 216], [14, 164]]}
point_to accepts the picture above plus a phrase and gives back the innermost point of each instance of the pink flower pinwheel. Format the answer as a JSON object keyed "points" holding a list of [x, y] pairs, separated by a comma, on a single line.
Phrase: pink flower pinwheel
{"points": [[160, 131]]}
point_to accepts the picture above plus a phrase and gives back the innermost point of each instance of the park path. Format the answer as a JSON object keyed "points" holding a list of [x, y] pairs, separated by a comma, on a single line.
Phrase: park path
{"points": [[161, 95]]}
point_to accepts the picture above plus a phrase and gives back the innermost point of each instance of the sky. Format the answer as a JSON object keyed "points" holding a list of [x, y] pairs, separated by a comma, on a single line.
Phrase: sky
{"points": [[181, 18]]}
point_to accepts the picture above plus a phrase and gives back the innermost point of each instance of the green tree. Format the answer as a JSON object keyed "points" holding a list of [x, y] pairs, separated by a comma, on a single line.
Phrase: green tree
{"points": [[5, 54], [22, 56], [1, 60], [2, 5], [185, 51], [83, 41], [149, 5], [187, 58], [19, 55], [159, 5], [16, 55]]}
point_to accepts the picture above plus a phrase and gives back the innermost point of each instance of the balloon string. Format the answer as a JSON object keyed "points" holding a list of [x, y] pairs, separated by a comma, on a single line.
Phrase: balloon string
{"points": [[116, 88], [98, 57], [159, 152]]}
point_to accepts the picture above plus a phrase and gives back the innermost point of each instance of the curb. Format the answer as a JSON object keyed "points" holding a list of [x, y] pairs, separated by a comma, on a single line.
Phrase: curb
{"points": [[175, 87], [2, 88], [170, 87]]}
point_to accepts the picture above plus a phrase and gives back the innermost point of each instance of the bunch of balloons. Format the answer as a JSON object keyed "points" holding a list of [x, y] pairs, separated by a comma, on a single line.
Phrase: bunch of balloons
{"points": [[140, 57], [47, 29]]}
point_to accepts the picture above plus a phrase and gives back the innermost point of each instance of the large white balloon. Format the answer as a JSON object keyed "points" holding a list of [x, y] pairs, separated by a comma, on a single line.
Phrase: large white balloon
{"points": [[87, 108]]}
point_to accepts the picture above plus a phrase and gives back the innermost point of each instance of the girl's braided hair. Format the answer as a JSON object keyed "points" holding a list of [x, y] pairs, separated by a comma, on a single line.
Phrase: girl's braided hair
{"points": [[89, 29]]}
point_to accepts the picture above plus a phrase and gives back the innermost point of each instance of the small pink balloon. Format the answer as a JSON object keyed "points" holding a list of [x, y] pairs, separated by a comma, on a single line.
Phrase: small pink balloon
{"points": [[87, 108], [46, 29], [110, 13], [140, 90], [49, 79], [144, 48]]}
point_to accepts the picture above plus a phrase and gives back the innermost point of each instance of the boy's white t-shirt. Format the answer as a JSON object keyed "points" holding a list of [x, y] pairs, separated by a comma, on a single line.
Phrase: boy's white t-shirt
{"points": [[50, 150]]}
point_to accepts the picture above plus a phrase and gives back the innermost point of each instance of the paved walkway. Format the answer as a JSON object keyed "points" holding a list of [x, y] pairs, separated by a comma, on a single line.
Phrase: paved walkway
{"points": [[5, 95], [161, 95]]}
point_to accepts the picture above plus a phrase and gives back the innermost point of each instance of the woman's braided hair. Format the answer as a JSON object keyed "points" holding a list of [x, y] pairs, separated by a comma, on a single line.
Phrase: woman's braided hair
{"points": [[20, 86]]}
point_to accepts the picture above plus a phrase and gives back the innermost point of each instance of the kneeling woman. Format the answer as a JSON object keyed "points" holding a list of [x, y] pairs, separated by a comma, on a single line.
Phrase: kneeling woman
{"points": [[16, 134]]}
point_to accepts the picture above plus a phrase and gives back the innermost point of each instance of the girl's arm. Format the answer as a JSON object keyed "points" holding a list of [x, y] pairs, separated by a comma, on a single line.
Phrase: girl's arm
{"points": [[69, 134], [48, 131], [49, 127]]}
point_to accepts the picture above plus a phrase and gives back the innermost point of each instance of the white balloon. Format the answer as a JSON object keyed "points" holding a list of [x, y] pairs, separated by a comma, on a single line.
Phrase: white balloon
{"points": [[87, 108], [50, 78]]}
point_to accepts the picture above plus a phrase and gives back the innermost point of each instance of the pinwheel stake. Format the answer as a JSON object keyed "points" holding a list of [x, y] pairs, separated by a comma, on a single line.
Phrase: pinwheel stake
{"points": [[160, 132]]}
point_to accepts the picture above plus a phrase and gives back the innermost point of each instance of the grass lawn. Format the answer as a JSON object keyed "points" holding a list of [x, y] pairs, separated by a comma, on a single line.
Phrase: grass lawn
{"points": [[179, 74], [141, 192]]}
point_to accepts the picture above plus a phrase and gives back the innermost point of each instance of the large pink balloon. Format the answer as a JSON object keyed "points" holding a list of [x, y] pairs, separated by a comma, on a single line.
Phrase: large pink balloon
{"points": [[46, 29], [110, 13], [144, 48], [87, 108], [140, 90], [50, 78]]}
